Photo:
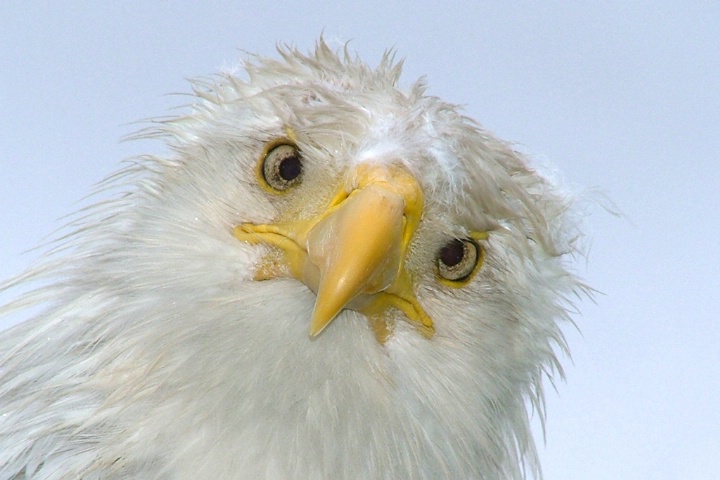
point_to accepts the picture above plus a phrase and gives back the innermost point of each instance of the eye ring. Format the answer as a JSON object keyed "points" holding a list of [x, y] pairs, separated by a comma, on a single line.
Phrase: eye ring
{"points": [[458, 260], [281, 166]]}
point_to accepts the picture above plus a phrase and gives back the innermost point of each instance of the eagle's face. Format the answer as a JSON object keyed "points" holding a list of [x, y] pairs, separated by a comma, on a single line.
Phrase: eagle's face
{"points": [[328, 275], [383, 202]]}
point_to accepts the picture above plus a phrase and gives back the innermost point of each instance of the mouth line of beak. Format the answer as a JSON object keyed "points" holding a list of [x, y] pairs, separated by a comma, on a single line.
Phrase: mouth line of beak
{"points": [[352, 255]]}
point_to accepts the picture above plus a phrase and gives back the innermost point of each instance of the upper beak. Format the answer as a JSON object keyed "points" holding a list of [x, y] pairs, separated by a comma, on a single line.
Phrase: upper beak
{"points": [[353, 253]]}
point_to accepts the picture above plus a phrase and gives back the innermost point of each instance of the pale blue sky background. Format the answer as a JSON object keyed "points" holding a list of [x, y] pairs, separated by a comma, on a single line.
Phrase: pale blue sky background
{"points": [[619, 96]]}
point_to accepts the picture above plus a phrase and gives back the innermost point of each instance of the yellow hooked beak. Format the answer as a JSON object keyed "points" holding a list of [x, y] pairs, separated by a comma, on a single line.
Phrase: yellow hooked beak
{"points": [[352, 255]]}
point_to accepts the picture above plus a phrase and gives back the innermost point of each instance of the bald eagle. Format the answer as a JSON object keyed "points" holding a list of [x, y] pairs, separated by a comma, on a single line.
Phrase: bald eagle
{"points": [[327, 276]]}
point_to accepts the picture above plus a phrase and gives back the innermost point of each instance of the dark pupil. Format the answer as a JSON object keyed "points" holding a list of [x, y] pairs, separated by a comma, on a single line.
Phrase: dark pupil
{"points": [[452, 253], [290, 168]]}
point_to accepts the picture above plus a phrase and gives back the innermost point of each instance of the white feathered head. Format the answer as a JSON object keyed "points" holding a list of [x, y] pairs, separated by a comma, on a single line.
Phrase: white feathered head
{"points": [[327, 276]]}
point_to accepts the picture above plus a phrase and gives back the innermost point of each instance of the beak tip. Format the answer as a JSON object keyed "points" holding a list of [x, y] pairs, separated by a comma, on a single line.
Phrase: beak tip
{"points": [[314, 332], [318, 323], [317, 329]]}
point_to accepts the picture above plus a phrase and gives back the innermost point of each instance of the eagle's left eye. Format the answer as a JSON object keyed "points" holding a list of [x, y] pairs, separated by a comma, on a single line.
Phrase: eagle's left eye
{"points": [[458, 259], [282, 166]]}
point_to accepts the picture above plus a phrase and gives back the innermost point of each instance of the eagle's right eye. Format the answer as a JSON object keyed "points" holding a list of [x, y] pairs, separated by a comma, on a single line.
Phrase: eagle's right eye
{"points": [[282, 167], [458, 259]]}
